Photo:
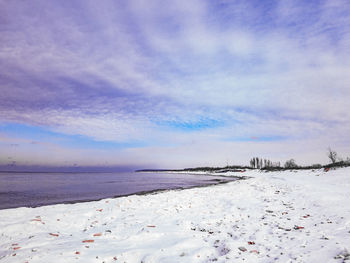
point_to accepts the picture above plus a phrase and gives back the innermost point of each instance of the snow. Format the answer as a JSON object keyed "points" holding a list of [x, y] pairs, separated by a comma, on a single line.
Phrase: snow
{"points": [[289, 216]]}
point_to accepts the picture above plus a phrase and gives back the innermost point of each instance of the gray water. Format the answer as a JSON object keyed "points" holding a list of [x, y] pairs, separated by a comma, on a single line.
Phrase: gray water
{"points": [[38, 189]]}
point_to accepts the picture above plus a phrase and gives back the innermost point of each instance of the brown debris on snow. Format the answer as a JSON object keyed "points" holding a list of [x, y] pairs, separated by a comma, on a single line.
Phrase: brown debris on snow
{"points": [[88, 241], [37, 219], [243, 249]]}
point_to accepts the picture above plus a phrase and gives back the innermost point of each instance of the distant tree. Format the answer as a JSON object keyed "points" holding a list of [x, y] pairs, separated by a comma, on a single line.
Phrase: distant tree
{"points": [[251, 163], [347, 161], [290, 164], [260, 163], [270, 163], [332, 155]]}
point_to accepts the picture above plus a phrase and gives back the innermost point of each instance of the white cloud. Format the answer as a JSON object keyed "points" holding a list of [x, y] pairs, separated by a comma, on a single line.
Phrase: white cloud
{"points": [[281, 71]]}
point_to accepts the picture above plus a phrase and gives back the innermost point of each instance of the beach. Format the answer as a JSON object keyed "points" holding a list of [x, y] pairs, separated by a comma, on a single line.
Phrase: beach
{"points": [[282, 216]]}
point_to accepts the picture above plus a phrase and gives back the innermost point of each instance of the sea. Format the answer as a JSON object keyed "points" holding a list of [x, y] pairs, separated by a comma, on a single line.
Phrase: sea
{"points": [[39, 189]]}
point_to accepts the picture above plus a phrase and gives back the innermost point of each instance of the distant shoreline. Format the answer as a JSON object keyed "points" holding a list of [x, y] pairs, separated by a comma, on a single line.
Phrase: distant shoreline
{"points": [[212, 182], [241, 168]]}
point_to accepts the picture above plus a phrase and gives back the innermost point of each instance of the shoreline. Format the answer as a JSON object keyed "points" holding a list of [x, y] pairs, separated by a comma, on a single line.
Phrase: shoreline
{"points": [[296, 216], [141, 193]]}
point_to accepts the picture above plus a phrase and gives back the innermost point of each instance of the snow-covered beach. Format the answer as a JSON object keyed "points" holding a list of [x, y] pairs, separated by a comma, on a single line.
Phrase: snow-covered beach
{"points": [[289, 216]]}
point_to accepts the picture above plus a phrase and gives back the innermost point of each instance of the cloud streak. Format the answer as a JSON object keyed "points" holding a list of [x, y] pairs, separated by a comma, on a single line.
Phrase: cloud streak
{"points": [[171, 74]]}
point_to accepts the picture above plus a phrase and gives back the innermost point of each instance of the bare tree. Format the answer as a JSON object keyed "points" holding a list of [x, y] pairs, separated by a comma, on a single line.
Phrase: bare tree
{"points": [[290, 164], [251, 162], [332, 155], [259, 163]]}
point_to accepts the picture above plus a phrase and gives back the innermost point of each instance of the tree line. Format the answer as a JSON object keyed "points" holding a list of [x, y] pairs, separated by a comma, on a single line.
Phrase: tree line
{"points": [[266, 164], [335, 160], [259, 163]]}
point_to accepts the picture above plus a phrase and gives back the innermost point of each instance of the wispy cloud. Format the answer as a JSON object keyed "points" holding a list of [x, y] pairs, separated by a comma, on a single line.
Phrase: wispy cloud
{"points": [[171, 74]]}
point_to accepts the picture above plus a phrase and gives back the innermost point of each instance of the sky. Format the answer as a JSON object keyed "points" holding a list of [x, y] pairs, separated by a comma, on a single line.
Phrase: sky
{"points": [[171, 84]]}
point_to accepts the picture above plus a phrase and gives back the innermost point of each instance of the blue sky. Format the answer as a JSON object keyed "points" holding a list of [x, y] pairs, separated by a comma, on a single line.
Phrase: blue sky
{"points": [[173, 83]]}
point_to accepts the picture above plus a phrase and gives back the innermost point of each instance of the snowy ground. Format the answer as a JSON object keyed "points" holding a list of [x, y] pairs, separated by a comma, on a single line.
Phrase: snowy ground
{"points": [[299, 216]]}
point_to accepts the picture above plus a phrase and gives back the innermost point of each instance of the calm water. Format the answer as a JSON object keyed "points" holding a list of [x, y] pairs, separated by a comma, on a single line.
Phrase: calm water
{"points": [[36, 189]]}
